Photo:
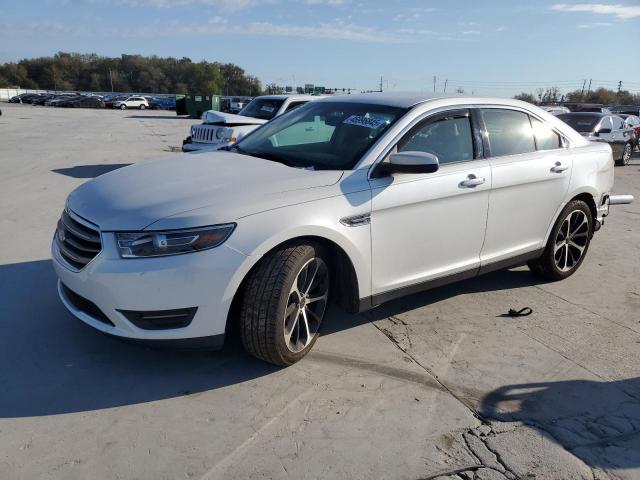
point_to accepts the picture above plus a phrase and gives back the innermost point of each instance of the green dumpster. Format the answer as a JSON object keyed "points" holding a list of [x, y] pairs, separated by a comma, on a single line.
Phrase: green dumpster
{"points": [[198, 104], [181, 105]]}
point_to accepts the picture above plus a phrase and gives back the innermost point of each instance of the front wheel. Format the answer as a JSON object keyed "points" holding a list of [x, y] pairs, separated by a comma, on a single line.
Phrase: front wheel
{"points": [[123, 107], [284, 303], [142, 107], [626, 155], [567, 244]]}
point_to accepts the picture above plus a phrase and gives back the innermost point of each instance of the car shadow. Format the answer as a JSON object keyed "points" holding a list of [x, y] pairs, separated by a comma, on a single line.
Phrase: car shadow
{"points": [[597, 421], [89, 171], [52, 363]]}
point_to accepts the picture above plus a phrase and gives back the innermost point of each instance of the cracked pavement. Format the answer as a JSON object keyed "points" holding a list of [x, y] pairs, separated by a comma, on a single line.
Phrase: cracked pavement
{"points": [[435, 385]]}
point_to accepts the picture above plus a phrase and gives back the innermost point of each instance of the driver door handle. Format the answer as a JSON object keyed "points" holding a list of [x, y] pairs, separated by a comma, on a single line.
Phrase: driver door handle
{"points": [[559, 167], [473, 182]]}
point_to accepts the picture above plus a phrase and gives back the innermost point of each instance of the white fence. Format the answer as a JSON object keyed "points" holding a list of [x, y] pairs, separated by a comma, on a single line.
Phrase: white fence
{"points": [[7, 93]]}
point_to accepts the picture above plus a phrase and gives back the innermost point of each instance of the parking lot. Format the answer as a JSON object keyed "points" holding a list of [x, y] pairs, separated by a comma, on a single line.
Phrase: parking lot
{"points": [[438, 384]]}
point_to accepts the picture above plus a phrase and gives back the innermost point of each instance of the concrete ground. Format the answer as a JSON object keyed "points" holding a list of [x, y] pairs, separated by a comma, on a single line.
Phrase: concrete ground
{"points": [[438, 384]]}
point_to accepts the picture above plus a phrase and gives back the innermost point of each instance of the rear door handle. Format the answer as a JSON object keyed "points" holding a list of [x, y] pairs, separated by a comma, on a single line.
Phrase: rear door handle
{"points": [[472, 181], [559, 167]]}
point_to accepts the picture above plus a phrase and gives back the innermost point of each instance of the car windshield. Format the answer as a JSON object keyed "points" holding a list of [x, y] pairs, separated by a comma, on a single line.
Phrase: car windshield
{"points": [[262, 108], [321, 135], [580, 123]]}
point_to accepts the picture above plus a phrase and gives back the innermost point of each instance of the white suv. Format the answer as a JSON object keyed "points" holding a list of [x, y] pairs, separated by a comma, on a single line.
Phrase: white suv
{"points": [[132, 102], [219, 129], [356, 200]]}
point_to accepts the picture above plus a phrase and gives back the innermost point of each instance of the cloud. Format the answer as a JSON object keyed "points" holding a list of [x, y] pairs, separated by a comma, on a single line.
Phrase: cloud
{"points": [[226, 5], [621, 11], [594, 25], [325, 2]]}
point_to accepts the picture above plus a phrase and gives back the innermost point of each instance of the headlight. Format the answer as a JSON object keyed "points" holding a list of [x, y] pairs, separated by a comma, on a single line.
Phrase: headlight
{"points": [[219, 133], [172, 242]]}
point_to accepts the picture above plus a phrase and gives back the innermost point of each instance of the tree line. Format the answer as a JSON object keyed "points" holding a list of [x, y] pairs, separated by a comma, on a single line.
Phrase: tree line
{"points": [[600, 95], [128, 73]]}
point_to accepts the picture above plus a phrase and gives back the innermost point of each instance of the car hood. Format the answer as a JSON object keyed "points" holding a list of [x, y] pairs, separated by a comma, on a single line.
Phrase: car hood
{"points": [[213, 117], [195, 190]]}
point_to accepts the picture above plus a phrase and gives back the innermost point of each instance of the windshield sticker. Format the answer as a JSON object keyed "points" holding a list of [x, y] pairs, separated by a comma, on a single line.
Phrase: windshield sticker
{"points": [[368, 122], [267, 108]]}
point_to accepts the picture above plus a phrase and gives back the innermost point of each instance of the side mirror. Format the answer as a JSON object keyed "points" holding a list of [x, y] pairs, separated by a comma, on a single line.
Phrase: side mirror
{"points": [[410, 162]]}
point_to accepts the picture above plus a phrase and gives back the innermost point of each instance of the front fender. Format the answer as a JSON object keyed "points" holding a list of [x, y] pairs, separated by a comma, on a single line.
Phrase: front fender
{"points": [[258, 234]]}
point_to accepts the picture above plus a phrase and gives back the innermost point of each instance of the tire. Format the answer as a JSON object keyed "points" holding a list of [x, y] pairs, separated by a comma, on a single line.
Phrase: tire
{"points": [[142, 107], [123, 107], [558, 261], [275, 307], [626, 155]]}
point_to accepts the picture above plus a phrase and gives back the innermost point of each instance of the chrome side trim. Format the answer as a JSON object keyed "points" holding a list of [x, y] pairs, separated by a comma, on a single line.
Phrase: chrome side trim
{"points": [[356, 220]]}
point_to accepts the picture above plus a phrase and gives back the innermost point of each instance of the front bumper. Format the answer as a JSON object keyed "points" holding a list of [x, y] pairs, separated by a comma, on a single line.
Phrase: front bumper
{"points": [[205, 280], [190, 146]]}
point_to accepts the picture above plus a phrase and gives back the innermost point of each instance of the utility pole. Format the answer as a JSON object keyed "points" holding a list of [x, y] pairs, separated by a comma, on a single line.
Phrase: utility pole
{"points": [[619, 86], [111, 80], [445, 85], [582, 91], [589, 87], [380, 84], [434, 84]]}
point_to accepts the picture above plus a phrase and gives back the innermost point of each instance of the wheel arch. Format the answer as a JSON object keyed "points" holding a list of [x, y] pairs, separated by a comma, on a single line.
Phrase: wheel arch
{"points": [[587, 196], [345, 287]]}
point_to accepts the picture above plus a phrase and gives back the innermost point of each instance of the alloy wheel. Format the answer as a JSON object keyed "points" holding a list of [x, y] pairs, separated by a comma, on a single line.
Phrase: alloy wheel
{"points": [[571, 241], [306, 305]]}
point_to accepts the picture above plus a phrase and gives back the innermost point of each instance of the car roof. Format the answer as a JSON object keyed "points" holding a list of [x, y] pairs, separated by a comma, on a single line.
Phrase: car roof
{"points": [[410, 99], [295, 96], [586, 114]]}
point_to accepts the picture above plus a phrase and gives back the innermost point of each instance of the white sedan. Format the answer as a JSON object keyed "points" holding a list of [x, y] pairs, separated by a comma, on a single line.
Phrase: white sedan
{"points": [[219, 129], [356, 200], [132, 102]]}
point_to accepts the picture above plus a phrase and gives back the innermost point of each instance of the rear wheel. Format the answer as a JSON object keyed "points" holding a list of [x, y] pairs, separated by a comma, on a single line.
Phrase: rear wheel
{"points": [[567, 244], [284, 303], [626, 155], [142, 107]]}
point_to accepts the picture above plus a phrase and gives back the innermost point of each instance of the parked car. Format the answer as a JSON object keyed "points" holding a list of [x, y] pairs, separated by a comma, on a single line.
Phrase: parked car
{"points": [[163, 103], [59, 100], [355, 200], [626, 109], [85, 102], [131, 102], [600, 127], [109, 99], [42, 99], [25, 98], [18, 98], [220, 129], [238, 103], [555, 109], [632, 121]]}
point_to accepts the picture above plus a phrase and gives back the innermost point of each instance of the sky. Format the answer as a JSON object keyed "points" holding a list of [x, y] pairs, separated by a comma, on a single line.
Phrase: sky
{"points": [[497, 47]]}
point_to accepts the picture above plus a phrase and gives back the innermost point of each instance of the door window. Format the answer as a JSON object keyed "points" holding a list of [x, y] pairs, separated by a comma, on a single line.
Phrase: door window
{"points": [[606, 123], [448, 138], [509, 132], [294, 105], [618, 124], [546, 138]]}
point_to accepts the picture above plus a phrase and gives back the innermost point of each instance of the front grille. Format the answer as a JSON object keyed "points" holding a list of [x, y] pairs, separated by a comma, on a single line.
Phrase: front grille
{"points": [[78, 241], [204, 134], [85, 306]]}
